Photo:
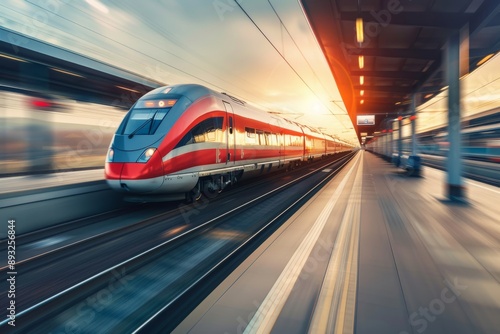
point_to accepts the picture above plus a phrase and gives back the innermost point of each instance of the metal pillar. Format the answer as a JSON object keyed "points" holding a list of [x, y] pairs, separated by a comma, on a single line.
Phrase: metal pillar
{"points": [[386, 142], [455, 186], [391, 140], [414, 161], [413, 118], [400, 141]]}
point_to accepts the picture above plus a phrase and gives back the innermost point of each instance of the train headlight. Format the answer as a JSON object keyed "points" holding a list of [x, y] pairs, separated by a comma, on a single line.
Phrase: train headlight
{"points": [[111, 154], [146, 155]]}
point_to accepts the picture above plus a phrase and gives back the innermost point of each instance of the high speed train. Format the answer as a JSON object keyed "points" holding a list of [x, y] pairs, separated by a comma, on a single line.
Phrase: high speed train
{"points": [[181, 141]]}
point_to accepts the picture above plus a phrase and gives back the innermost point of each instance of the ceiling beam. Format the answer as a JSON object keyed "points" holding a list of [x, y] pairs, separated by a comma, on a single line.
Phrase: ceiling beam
{"points": [[414, 19], [488, 10], [403, 75], [372, 100], [396, 53], [431, 71], [380, 104], [385, 89]]}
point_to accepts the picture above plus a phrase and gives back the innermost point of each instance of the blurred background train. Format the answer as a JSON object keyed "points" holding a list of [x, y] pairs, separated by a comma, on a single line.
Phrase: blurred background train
{"points": [[43, 132], [480, 139], [183, 141]]}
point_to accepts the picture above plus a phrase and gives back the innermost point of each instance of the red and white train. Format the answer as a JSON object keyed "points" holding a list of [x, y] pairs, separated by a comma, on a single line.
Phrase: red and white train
{"points": [[184, 140]]}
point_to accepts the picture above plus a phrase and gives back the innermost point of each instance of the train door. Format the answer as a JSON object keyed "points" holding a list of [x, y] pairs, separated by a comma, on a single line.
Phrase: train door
{"points": [[230, 134], [280, 140], [307, 145]]}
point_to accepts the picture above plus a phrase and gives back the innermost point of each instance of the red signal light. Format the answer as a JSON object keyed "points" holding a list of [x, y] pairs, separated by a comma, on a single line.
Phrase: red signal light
{"points": [[40, 103]]}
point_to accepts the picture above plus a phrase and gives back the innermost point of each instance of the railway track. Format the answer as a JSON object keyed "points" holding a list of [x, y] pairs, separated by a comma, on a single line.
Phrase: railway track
{"points": [[71, 228], [99, 227], [191, 256]]}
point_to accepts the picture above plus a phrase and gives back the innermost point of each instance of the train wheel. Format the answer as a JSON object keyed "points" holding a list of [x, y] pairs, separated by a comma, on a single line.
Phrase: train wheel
{"points": [[195, 193], [211, 189]]}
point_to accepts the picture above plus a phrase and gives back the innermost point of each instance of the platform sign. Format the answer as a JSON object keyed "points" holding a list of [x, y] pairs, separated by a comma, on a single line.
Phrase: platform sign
{"points": [[366, 119]]}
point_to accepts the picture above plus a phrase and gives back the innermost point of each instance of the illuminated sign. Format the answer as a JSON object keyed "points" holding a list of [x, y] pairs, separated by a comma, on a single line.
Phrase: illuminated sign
{"points": [[155, 103], [366, 119]]}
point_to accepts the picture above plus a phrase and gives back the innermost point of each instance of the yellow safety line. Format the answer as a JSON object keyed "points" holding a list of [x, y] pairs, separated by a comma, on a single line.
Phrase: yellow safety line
{"points": [[345, 318], [340, 296]]}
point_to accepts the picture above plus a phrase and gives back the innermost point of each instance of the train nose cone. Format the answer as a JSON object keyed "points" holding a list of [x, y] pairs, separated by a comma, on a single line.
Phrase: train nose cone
{"points": [[112, 173], [142, 177]]}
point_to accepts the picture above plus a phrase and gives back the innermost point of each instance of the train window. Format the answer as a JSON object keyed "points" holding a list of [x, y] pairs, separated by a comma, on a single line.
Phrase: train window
{"points": [[157, 118], [207, 130], [250, 132], [250, 135], [261, 138], [288, 140], [269, 140], [214, 133]]}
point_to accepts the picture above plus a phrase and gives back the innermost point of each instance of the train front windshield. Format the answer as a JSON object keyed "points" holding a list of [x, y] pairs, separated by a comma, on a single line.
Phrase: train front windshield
{"points": [[145, 117], [144, 121]]}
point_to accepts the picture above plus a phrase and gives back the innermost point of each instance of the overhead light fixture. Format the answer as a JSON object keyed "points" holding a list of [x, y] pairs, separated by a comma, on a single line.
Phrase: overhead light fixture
{"points": [[397, 103], [361, 60], [359, 30], [428, 95], [362, 80], [362, 101], [485, 59], [362, 92]]}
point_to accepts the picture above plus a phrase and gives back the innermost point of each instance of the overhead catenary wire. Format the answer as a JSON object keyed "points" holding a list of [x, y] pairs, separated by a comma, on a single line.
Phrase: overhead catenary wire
{"points": [[280, 53], [296, 45], [286, 61]]}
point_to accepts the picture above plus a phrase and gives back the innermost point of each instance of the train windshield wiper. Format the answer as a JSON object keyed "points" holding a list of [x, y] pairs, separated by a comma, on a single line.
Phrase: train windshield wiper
{"points": [[141, 126]]}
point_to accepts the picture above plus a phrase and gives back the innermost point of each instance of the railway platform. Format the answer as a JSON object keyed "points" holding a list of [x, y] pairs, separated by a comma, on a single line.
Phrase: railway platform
{"points": [[13, 184], [375, 251]]}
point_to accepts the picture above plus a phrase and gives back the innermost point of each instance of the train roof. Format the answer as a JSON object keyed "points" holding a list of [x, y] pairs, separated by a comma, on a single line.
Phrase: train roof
{"points": [[195, 91], [192, 91]]}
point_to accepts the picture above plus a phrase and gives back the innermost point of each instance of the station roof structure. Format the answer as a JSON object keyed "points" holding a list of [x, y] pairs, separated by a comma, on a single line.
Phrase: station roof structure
{"points": [[402, 48]]}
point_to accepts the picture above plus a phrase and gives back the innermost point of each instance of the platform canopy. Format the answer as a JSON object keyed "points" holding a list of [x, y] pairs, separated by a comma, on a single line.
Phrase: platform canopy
{"points": [[401, 52]]}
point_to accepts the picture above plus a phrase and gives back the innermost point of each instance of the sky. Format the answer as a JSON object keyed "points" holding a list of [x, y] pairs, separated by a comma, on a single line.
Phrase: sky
{"points": [[261, 51]]}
